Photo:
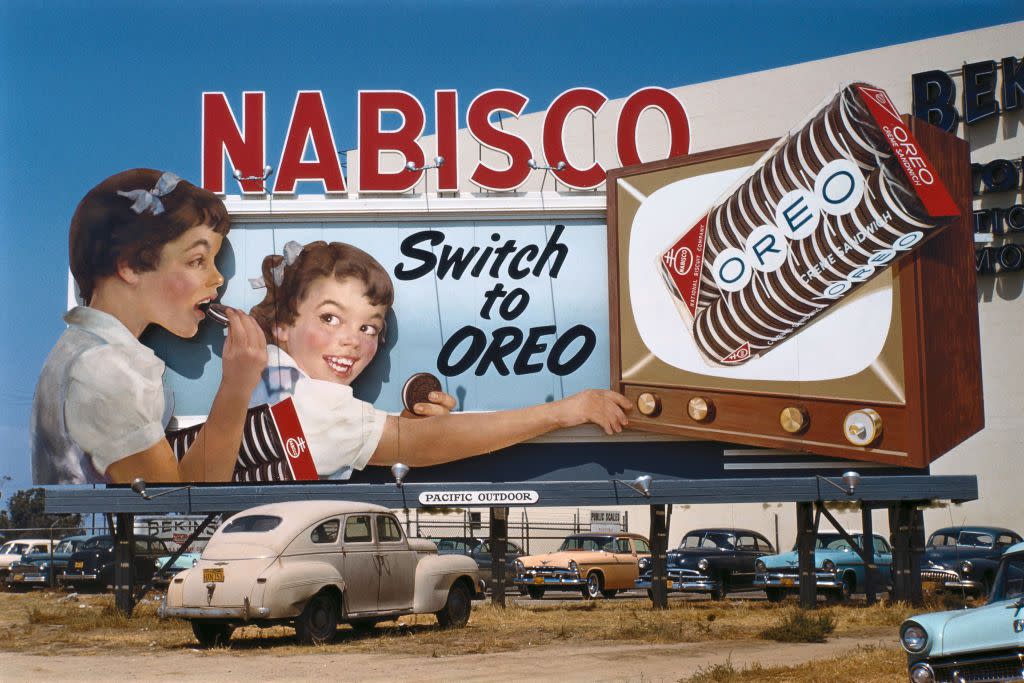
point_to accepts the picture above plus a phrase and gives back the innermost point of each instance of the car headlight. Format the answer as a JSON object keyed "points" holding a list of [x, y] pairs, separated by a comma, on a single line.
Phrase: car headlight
{"points": [[922, 673], [573, 567], [195, 561], [703, 564], [828, 565], [43, 566], [966, 567], [519, 567], [913, 637], [644, 563], [760, 566]]}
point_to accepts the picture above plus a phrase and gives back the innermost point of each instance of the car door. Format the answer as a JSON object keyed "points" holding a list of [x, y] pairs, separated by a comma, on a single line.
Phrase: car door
{"points": [[396, 563], [883, 559], [360, 564], [746, 552]]}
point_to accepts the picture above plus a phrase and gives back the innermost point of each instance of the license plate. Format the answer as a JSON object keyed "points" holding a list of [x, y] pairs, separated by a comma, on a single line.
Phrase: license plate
{"points": [[79, 565], [538, 579], [668, 583], [787, 582], [17, 577], [214, 575]]}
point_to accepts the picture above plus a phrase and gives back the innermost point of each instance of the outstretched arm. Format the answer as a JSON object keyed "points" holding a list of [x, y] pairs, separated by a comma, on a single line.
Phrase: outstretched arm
{"points": [[444, 438]]}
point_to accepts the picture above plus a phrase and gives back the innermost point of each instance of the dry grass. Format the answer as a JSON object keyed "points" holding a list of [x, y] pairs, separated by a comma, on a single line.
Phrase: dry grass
{"points": [[876, 664], [44, 623]]}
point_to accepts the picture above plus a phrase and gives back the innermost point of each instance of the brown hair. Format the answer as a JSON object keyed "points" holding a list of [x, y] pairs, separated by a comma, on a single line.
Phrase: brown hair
{"points": [[318, 259], [105, 230]]}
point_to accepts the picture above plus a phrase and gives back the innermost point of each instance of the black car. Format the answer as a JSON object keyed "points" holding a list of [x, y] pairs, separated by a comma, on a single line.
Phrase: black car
{"points": [[480, 552], [93, 565], [713, 561], [965, 557]]}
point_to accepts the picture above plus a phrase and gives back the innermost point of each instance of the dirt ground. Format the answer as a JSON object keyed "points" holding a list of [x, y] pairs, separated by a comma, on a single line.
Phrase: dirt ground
{"points": [[607, 662]]}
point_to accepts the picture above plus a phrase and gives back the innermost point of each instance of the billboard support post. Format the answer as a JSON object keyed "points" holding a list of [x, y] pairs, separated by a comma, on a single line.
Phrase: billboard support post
{"points": [[868, 543], [806, 532], [659, 555], [499, 546], [124, 563]]}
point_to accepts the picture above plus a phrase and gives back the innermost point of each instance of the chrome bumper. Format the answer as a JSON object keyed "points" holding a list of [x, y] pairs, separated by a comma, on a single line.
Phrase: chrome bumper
{"points": [[695, 584], [781, 580], [244, 613], [28, 578], [948, 578], [79, 577], [550, 581]]}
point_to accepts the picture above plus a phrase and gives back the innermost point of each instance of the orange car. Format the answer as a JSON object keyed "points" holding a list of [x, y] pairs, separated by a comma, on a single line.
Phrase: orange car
{"points": [[595, 564]]}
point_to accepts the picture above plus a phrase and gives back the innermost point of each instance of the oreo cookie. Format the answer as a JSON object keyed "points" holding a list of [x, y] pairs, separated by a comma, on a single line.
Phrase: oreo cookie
{"points": [[215, 312], [417, 389]]}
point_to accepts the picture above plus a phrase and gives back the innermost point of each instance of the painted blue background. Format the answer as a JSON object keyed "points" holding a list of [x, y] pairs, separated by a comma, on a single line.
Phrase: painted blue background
{"points": [[92, 89]]}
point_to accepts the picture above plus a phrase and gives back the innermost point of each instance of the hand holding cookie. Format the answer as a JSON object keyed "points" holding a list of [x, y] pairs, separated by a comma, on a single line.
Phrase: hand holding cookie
{"points": [[422, 396]]}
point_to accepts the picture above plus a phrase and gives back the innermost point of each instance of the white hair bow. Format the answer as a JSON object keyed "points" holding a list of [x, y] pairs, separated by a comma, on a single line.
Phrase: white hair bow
{"points": [[149, 200], [291, 252]]}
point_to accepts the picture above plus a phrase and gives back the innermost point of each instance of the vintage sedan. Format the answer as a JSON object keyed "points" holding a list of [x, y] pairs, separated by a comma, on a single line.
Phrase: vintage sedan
{"points": [[712, 561], [839, 569], [965, 557], [12, 551], [480, 552], [981, 644], [313, 564], [91, 567], [37, 569], [595, 564]]}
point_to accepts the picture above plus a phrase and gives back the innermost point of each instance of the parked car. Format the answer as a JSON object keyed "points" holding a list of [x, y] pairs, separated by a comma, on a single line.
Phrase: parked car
{"points": [[313, 564], [480, 552], [965, 557], [981, 644], [12, 551], [92, 565], [713, 561], [840, 570], [36, 569], [184, 561], [595, 564]]}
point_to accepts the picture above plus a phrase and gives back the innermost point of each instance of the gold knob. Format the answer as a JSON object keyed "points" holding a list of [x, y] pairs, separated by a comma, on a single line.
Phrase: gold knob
{"points": [[700, 409], [862, 427], [794, 419], [648, 404]]}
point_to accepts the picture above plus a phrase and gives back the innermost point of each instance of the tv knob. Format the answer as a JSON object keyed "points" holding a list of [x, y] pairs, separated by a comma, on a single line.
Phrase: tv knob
{"points": [[862, 427], [794, 419], [700, 409], [648, 404]]}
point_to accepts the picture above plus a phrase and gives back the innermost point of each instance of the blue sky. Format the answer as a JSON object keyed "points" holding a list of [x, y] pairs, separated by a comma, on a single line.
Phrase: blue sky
{"points": [[89, 89]]}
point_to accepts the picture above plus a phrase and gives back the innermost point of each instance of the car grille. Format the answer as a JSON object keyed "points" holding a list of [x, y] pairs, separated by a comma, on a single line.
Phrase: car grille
{"points": [[1002, 665], [550, 572], [939, 575]]}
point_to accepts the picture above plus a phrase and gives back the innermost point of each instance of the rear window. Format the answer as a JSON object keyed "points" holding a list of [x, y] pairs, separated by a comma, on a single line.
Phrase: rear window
{"points": [[252, 524], [98, 543]]}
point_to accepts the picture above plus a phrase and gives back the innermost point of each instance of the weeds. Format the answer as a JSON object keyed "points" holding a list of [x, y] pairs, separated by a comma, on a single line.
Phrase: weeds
{"points": [[801, 627]]}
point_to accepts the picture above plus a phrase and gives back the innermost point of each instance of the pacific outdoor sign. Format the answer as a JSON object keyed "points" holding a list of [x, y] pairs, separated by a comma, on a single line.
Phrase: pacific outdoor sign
{"points": [[984, 92], [243, 139]]}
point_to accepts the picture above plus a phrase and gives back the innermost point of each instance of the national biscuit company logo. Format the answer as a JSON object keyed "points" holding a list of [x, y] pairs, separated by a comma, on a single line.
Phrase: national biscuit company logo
{"points": [[739, 355], [295, 447], [680, 260]]}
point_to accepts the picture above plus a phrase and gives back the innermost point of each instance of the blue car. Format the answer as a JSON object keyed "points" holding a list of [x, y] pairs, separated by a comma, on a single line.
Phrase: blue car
{"points": [[981, 644], [965, 557], [840, 570], [37, 569]]}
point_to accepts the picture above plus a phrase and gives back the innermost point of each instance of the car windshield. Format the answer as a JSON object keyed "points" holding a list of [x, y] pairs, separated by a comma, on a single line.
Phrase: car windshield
{"points": [[1009, 584], [252, 524], [16, 549], [589, 543], [707, 540], [99, 543], [833, 541], [67, 546]]}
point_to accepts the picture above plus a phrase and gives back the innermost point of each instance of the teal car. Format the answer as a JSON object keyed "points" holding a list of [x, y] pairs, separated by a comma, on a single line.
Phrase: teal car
{"points": [[839, 569], [981, 644]]}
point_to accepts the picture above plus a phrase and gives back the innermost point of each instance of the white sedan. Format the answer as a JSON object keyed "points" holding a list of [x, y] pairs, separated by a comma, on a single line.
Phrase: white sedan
{"points": [[313, 565]]}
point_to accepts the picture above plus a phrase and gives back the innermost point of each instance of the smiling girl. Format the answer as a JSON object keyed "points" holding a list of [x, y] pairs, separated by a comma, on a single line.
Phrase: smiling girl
{"points": [[324, 319], [142, 247]]}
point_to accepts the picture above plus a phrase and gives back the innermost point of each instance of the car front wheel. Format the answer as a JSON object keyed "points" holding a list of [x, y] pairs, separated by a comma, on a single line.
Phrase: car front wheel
{"points": [[318, 621], [775, 594], [594, 586], [455, 613], [211, 635]]}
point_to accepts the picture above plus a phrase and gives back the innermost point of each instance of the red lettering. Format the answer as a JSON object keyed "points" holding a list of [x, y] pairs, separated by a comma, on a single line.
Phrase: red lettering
{"points": [[670, 107], [221, 135], [446, 124], [373, 140], [554, 137], [309, 123], [509, 144]]}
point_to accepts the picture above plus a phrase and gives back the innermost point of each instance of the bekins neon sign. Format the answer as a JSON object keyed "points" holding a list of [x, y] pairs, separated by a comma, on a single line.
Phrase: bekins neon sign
{"points": [[245, 145]]}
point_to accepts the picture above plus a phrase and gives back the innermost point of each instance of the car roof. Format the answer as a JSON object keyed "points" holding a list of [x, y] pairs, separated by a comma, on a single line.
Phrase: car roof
{"points": [[724, 530], [297, 515], [29, 540], [975, 527], [617, 534]]}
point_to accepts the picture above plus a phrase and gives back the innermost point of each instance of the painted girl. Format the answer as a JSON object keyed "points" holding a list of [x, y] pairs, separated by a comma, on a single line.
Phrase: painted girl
{"points": [[142, 247], [324, 317]]}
